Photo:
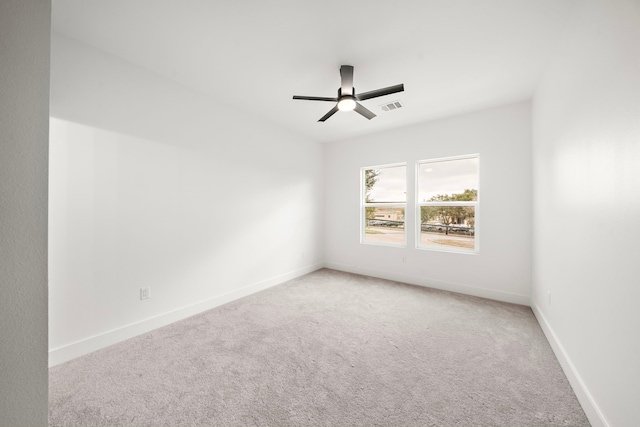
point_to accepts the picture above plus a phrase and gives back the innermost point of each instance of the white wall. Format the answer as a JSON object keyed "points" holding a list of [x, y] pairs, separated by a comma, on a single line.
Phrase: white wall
{"points": [[155, 185], [586, 175], [502, 269], [24, 120]]}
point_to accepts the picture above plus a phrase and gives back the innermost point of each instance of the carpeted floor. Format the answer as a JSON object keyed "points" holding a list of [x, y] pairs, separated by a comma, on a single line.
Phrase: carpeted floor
{"points": [[327, 349]]}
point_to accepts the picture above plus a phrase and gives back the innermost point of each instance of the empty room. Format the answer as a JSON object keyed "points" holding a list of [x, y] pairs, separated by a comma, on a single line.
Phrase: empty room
{"points": [[338, 213]]}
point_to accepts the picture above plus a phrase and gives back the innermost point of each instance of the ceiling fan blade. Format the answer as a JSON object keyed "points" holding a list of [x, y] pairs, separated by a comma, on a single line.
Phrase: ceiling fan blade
{"points": [[365, 112], [315, 98], [346, 77], [380, 92], [329, 114]]}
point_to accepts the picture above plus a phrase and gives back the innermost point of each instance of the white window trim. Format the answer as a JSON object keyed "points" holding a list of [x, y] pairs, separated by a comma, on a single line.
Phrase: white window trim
{"points": [[364, 205], [419, 204]]}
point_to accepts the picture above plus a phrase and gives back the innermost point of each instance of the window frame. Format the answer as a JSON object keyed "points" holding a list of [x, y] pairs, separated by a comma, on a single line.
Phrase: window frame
{"points": [[419, 205], [364, 205]]}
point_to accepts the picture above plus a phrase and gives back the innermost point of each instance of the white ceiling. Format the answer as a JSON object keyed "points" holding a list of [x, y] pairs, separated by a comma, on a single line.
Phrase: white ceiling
{"points": [[452, 55]]}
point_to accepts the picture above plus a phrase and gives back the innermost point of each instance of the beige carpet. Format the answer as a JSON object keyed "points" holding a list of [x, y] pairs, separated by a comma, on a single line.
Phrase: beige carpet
{"points": [[327, 349]]}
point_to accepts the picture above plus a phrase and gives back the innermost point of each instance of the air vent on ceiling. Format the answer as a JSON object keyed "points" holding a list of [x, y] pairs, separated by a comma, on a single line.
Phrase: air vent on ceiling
{"points": [[391, 106]]}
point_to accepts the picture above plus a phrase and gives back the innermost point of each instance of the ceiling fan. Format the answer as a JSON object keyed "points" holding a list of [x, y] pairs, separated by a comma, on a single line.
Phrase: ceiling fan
{"points": [[347, 99]]}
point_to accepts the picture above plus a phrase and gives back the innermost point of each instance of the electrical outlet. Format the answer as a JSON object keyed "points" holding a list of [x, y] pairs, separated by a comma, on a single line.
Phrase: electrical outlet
{"points": [[404, 259], [145, 293], [549, 297]]}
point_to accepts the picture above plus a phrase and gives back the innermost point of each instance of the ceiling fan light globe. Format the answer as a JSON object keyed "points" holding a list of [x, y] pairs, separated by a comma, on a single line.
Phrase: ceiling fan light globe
{"points": [[346, 104]]}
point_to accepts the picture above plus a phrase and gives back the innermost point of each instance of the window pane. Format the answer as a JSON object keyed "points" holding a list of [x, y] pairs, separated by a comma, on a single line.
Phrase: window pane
{"points": [[384, 225], [448, 227], [386, 185], [448, 180]]}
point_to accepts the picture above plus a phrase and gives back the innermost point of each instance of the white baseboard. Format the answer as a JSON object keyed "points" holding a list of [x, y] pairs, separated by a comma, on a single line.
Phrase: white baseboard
{"points": [[436, 284], [87, 345], [591, 409]]}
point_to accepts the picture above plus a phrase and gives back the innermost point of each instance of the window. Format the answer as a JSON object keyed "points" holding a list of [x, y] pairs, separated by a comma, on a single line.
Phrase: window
{"points": [[447, 204], [383, 204]]}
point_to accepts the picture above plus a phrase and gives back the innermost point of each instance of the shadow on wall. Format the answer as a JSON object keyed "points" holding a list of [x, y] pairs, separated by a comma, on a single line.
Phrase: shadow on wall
{"points": [[152, 184]]}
